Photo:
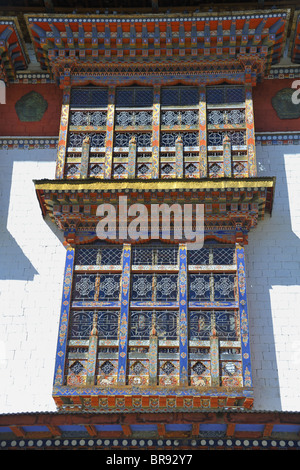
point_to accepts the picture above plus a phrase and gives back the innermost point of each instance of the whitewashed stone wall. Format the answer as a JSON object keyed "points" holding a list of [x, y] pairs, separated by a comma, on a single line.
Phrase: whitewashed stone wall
{"points": [[32, 262], [273, 270]]}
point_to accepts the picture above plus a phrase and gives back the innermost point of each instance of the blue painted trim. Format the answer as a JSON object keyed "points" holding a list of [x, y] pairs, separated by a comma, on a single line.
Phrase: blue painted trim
{"points": [[151, 304], [95, 304], [130, 390], [64, 318], [124, 321], [183, 316], [244, 321], [210, 305]]}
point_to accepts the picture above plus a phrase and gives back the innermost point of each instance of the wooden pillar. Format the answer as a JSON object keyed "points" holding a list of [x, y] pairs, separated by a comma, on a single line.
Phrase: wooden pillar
{"points": [[63, 134], [227, 156], [214, 355], [124, 320], [85, 158], [153, 354], [92, 353], [244, 322], [183, 316], [109, 141], [250, 132], [202, 133], [156, 133], [179, 157], [131, 165], [64, 318]]}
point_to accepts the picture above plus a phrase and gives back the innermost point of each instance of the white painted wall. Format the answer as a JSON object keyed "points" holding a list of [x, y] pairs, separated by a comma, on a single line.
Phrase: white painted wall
{"points": [[32, 262], [31, 271], [273, 287]]}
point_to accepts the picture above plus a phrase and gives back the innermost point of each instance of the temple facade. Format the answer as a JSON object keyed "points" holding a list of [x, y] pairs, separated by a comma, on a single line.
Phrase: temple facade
{"points": [[150, 277]]}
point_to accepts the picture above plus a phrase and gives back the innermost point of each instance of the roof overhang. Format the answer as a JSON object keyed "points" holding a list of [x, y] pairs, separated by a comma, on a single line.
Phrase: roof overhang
{"points": [[205, 430], [13, 57], [230, 205], [244, 43]]}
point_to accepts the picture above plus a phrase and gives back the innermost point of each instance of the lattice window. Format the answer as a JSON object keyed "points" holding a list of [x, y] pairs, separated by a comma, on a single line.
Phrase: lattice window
{"points": [[236, 137], [88, 287], [142, 287], [133, 118], [217, 287], [88, 118], [134, 97], [80, 324], [96, 139], [240, 169], [191, 169], [200, 287], [84, 287], [72, 170], [155, 256], [166, 287], [109, 287], [223, 256], [225, 95], [95, 255], [223, 322], [167, 324], [155, 324], [144, 170], [140, 324], [96, 170], [190, 139], [178, 118], [224, 286], [180, 96], [108, 324], [212, 255], [89, 97], [226, 117], [233, 116], [142, 139], [158, 287], [215, 170]]}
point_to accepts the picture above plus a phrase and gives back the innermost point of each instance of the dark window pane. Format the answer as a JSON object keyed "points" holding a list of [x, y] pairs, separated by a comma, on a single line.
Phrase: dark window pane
{"points": [[89, 97]]}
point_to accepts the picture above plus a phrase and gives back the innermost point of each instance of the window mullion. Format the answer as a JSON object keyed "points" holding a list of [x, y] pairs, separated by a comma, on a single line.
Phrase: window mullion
{"points": [[64, 319], [202, 133], [109, 133], [250, 136], [244, 321], [124, 316], [92, 353], [183, 316], [63, 134], [214, 354], [155, 132], [153, 353]]}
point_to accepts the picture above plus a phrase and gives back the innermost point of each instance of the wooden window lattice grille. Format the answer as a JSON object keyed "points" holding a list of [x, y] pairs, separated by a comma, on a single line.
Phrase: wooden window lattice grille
{"points": [[218, 97], [89, 97], [81, 323], [180, 96], [155, 286], [93, 255], [88, 118], [225, 95], [134, 97], [203, 322]]}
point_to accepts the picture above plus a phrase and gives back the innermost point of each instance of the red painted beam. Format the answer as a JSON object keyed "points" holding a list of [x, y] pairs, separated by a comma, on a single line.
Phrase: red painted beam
{"points": [[208, 417]]}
